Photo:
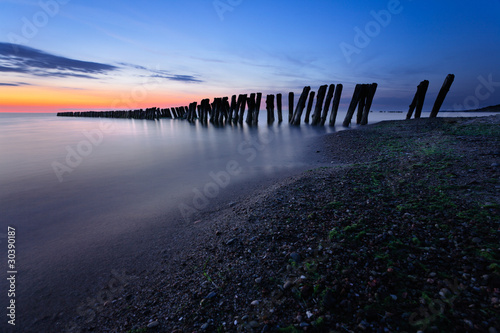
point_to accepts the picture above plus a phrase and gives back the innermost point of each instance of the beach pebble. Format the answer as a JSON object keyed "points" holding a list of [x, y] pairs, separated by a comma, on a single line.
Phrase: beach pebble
{"points": [[287, 285], [258, 280], [153, 324], [232, 241], [254, 303], [253, 324], [204, 326], [211, 295], [295, 257]]}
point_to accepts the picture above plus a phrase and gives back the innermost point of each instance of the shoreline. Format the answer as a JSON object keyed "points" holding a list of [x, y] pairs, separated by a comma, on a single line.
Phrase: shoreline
{"points": [[268, 255]]}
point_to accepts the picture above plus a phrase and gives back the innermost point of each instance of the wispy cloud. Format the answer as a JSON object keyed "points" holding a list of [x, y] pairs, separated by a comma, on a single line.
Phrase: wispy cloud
{"points": [[16, 58], [177, 77], [14, 84], [163, 74]]}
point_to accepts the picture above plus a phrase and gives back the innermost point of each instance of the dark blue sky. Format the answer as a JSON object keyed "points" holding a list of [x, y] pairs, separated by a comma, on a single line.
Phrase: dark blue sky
{"points": [[181, 51]]}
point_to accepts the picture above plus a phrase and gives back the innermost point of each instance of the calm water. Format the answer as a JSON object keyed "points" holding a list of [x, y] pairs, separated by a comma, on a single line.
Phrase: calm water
{"points": [[78, 189]]}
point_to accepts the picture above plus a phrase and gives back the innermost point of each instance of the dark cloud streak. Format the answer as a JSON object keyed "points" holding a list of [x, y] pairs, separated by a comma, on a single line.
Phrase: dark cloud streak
{"points": [[26, 60], [177, 77], [16, 84], [163, 74]]}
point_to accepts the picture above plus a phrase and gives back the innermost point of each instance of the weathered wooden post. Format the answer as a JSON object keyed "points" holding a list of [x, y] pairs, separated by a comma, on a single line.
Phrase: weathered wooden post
{"points": [[237, 109], [193, 106], [418, 100], [352, 106], [224, 110], [316, 118], [328, 100], [279, 98], [257, 108], [361, 103], [300, 106], [214, 116], [270, 109], [336, 103], [372, 88], [232, 108], [413, 103], [309, 106], [442, 95], [251, 109], [208, 110], [421, 98], [290, 106], [243, 105]]}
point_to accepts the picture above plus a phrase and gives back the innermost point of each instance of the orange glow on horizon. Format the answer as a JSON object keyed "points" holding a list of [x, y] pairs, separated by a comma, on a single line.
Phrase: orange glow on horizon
{"points": [[47, 99]]}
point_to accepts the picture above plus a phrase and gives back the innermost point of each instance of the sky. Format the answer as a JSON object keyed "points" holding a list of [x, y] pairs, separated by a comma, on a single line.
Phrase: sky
{"points": [[75, 55]]}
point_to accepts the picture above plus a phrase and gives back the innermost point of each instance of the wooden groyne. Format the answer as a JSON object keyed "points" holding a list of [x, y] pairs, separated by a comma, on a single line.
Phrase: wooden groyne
{"points": [[222, 110]]}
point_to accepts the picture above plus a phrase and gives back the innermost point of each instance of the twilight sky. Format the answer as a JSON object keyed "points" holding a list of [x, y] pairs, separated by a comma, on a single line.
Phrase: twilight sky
{"points": [[58, 55]]}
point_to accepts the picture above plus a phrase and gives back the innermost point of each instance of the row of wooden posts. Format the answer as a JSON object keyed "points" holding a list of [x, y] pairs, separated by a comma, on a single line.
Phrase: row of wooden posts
{"points": [[221, 111]]}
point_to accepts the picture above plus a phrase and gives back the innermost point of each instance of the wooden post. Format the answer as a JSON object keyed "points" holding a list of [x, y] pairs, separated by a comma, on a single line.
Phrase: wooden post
{"points": [[352, 106], [421, 98], [442, 95], [243, 105], [270, 109], [232, 108], [418, 100], [309, 106], [362, 101], [372, 88], [237, 109], [208, 110], [215, 111], [316, 118], [192, 112], [300, 106], [328, 100], [251, 109], [413, 103], [336, 103], [279, 98], [224, 110], [290, 106], [257, 108]]}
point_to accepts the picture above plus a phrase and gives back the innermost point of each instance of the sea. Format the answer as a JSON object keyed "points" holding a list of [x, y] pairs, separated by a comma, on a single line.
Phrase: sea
{"points": [[86, 197]]}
